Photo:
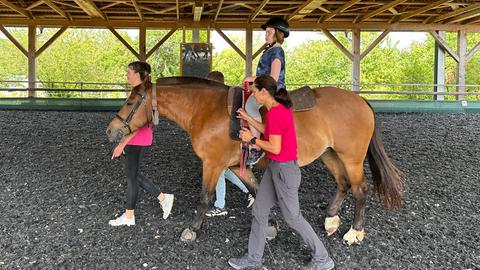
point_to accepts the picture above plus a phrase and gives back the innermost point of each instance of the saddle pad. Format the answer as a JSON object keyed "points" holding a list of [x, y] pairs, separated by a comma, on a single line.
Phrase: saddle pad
{"points": [[302, 99], [234, 102]]}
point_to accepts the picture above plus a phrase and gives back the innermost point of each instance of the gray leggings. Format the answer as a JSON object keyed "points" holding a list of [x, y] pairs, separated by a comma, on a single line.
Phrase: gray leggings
{"points": [[252, 108], [280, 184]]}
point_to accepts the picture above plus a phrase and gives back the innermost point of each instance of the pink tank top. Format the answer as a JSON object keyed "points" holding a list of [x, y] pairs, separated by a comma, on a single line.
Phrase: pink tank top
{"points": [[143, 137]]}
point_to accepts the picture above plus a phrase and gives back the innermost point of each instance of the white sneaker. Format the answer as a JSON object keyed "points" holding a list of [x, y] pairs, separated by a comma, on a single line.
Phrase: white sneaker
{"points": [[122, 220], [251, 200], [167, 205]]}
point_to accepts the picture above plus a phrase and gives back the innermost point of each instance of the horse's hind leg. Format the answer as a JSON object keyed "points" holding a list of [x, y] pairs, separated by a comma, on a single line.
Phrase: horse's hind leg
{"points": [[359, 190], [209, 182], [336, 167]]}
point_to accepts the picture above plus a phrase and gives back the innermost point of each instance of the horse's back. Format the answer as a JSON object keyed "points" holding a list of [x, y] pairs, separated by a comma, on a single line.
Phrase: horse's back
{"points": [[340, 119]]}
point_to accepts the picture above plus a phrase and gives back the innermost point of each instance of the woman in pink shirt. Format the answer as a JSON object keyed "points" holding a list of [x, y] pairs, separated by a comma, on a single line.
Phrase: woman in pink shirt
{"points": [[281, 179], [133, 145]]}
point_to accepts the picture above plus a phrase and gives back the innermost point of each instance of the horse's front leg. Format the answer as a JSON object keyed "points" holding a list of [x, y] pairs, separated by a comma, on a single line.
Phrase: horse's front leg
{"points": [[210, 177]]}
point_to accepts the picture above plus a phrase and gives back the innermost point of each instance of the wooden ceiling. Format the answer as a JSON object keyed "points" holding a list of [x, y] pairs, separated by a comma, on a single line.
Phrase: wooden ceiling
{"points": [[232, 14]]}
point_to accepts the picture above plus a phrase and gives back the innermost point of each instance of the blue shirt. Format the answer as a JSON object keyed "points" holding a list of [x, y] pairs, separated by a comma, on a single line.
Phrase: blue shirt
{"points": [[265, 64]]}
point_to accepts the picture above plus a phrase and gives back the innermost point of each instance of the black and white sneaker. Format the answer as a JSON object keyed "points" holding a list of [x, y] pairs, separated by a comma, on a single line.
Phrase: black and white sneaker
{"points": [[250, 200], [254, 156], [216, 212]]}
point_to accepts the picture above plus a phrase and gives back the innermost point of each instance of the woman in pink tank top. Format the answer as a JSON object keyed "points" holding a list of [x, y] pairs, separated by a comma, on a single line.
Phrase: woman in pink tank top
{"points": [[133, 145]]}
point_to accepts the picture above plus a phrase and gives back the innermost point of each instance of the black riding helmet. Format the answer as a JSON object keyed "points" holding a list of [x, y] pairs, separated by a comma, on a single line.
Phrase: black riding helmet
{"points": [[278, 23]]}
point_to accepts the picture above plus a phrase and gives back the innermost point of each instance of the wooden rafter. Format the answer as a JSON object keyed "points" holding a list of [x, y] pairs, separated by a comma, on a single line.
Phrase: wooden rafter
{"points": [[464, 16], [217, 12], [197, 11], [90, 8], [456, 12], [56, 8], [15, 8], [34, 5], [337, 43], [422, 10], [234, 47], [137, 8], [178, 10], [380, 10], [375, 43], [341, 9], [305, 8], [257, 11], [473, 51], [108, 6]]}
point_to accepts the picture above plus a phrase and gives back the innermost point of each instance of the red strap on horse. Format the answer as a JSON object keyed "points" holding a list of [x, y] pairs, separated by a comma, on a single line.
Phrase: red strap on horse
{"points": [[243, 123]]}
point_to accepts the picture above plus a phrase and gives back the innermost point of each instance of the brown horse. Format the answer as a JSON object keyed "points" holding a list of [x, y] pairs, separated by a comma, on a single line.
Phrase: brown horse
{"points": [[340, 130]]}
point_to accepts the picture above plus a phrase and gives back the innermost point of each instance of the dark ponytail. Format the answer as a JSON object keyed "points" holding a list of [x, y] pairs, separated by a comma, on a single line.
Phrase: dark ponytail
{"points": [[268, 83], [282, 97]]}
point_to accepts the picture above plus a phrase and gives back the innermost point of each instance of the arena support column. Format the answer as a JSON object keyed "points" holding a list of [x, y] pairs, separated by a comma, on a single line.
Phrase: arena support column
{"points": [[32, 65], [439, 71], [142, 42], [462, 62], [248, 51], [356, 59]]}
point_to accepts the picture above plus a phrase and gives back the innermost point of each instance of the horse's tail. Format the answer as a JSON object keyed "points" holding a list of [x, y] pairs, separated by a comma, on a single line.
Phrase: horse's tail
{"points": [[388, 180]]}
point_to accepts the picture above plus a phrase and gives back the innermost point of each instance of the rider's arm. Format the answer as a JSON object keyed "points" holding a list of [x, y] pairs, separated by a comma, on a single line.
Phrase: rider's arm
{"points": [[275, 69], [256, 124], [273, 145]]}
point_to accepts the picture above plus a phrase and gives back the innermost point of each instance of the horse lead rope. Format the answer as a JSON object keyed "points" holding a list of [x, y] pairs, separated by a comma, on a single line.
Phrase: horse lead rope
{"points": [[244, 123]]}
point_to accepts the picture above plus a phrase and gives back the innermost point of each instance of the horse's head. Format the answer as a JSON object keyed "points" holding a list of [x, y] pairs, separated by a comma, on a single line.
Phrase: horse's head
{"points": [[134, 114]]}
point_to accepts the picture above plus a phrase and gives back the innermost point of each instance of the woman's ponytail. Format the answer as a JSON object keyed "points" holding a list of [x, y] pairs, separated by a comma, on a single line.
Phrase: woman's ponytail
{"points": [[282, 97]]}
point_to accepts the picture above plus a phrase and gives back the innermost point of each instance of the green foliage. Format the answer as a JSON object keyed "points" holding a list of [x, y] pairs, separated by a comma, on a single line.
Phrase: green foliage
{"points": [[89, 55]]}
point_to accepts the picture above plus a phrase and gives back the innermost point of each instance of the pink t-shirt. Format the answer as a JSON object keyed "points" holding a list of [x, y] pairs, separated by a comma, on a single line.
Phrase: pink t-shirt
{"points": [[279, 121], [143, 137]]}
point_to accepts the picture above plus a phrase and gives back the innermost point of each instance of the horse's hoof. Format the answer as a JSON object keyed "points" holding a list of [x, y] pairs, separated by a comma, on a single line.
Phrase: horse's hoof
{"points": [[188, 235], [332, 224], [354, 236]]}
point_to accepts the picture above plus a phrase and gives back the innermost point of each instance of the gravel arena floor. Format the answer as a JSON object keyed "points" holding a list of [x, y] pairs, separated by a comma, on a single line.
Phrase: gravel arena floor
{"points": [[59, 187]]}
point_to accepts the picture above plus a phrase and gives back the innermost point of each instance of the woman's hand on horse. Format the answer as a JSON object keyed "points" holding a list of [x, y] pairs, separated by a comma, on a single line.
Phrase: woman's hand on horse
{"points": [[118, 150], [245, 134]]}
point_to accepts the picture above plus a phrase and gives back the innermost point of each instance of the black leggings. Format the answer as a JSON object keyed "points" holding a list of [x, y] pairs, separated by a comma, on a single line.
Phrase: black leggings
{"points": [[133, 157]]}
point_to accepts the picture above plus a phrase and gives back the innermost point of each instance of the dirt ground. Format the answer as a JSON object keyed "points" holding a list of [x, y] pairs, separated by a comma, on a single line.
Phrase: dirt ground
{"points": [[59, 188]]}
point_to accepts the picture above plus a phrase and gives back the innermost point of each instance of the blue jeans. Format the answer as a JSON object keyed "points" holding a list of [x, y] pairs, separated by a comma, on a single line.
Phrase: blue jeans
{"points": [[220, 190]]}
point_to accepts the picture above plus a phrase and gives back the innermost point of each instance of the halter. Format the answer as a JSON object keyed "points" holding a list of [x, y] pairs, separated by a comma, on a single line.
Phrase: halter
{"points": [[126, 122]]}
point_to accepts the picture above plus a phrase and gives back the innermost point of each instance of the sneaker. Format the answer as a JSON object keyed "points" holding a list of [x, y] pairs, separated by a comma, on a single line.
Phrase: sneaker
{"points": [[122, 220], [318, 265], [254, 156], [167, 205], [216, 212], [244, 263], [250, 200]]}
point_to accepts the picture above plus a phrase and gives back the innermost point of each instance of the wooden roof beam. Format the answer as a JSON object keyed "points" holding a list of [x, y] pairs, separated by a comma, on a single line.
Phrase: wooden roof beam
{"points": [[197, 11], [16, 8], [234, 47], [220, 3], [338, 44], [90, 8], [137, 8], [444, 45], [56, 8], [421, 10], [177, 9], [456, 12], [305, 9], [165, 38], [464, 16], [51, 40], [341, 9], [124, 42], [257, 11], [380, 10], [34, 5]]}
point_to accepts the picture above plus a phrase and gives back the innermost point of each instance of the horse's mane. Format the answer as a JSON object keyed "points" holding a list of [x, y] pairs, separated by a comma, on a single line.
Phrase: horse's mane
{"points": [[192, 81]]}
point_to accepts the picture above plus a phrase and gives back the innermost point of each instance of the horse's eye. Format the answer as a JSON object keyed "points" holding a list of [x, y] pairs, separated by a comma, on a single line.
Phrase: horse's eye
{"points": [[129, 104]]}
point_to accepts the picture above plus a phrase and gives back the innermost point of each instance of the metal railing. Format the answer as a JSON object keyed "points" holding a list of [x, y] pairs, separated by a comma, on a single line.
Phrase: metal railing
{"points": [[19, 89]]}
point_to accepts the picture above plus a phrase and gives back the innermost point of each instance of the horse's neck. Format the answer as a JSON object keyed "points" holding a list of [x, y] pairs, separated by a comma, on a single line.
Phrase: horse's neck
{"points": [[182, 105]]}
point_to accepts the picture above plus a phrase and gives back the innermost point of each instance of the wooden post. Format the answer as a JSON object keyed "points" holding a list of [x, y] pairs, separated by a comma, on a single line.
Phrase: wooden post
{"points": [[195, 35], [462, 63], [439, 71], [356, 59], [32, 73], [142, 56], [248, 51]]}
